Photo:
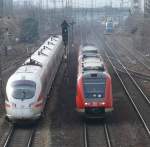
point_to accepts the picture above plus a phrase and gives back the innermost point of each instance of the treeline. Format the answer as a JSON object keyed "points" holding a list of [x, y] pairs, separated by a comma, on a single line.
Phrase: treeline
{"points": [[6, 8], [29, 30]]}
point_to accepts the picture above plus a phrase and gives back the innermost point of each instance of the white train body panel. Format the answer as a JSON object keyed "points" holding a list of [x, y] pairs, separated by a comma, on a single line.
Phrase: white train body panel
{"points": [[28, 87]]}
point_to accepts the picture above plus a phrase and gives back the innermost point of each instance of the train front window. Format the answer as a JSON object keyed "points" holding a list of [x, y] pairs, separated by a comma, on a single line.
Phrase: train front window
{"points": [[94, 88], [23, 89]]}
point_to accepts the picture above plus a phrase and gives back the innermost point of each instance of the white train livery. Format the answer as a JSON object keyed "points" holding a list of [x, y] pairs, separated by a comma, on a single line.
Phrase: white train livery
{"points": [[27, 88]]}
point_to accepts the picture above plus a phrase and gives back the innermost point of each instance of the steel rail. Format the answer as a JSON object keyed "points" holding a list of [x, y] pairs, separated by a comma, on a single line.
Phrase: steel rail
{"points": [[130, 97], [140, 54], [127, 92], [140, 74], [128, 73], [145, 65], [145, 76], [107, 135], [10, 134], [31, 138], [136, 74], [85, 135], [16, 62]]}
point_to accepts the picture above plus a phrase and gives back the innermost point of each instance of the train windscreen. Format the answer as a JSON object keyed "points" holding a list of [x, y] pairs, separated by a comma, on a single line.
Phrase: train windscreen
{"points": [[94, 88], [23, 89], [90, 52]]}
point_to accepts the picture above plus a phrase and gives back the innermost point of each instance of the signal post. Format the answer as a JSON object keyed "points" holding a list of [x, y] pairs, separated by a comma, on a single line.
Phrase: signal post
{"points": [[65, 32]]}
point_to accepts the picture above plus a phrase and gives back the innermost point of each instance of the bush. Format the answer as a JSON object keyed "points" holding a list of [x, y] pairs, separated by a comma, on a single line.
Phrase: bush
{"points": [[29, 30]]}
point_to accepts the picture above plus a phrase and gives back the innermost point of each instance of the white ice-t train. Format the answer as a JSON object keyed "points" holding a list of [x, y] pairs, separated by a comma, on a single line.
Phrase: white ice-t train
{"points": [[28, 87]]}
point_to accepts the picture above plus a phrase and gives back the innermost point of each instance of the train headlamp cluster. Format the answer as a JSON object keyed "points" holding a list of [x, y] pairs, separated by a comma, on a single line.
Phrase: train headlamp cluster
{"points": [[94, 104], [95, 95]]}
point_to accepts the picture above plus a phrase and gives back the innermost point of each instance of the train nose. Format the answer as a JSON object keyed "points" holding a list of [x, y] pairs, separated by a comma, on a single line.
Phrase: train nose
{"points": [[19, 113], [22, 113]]}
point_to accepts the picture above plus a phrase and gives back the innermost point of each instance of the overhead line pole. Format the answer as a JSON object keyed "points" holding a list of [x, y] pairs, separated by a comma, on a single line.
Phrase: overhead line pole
{"points": [[1, 8], [62, 4], [0, 75], [1, 36]]}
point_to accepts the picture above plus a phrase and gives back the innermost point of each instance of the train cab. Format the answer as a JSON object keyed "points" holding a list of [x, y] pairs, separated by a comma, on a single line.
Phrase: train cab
{"points": [[94, 88]]}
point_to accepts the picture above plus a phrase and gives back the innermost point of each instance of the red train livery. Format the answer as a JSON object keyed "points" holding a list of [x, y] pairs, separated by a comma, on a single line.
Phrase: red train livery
{"points": [[94, 87]]}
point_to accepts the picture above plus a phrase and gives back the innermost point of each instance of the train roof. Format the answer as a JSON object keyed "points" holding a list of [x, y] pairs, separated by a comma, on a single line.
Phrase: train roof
{"points": [[93, 66], [89, 49], [28, 69], [41, 57], [97, 58], [26, 72], [92, 63], [39, 60], [91, 60]]}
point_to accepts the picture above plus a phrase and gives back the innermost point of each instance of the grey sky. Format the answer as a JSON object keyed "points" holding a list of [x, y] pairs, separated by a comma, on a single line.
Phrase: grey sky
{"points": [[84, 3]]}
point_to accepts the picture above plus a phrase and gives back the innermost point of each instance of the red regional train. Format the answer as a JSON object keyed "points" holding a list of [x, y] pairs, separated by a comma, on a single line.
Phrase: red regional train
{"points": [[94, 87]]}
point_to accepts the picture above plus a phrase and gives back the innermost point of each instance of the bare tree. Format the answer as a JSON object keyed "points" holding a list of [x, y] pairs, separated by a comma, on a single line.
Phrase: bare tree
{"points": [[8, 7]]}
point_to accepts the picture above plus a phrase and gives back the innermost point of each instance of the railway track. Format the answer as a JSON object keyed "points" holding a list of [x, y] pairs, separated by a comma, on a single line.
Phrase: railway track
{"points": [[15, 60], [134, 73], [141, 63], [125, 115], [19, 137], [96, 135], [137, 97], [114, 57], [141, 76], [139, 55], [119, 65], [13, 63]]}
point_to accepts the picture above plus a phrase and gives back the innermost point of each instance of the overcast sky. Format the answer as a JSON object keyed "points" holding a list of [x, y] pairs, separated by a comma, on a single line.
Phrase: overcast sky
{"points": [[84, 3]]}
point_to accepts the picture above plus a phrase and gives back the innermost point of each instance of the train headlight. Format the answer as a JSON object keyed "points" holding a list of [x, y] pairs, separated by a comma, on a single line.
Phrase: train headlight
{"points": [[99, 95], [86, 104], [103, 103]]}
